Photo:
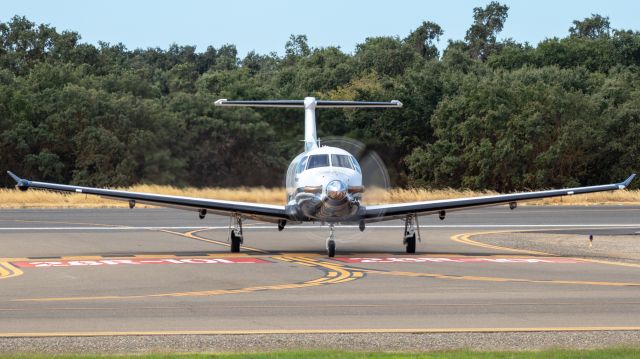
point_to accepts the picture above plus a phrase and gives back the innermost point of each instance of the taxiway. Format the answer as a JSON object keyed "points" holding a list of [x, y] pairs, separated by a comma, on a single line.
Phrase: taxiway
{"points": [[120, 272]]}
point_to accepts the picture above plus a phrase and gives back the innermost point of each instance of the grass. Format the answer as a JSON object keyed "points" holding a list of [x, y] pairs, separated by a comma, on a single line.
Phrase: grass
{"points": [[321, 354], [12, 198]]}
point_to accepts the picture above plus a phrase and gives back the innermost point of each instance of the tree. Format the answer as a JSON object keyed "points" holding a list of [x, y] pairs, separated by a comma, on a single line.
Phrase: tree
{"points": [[561, 112], [296, 47], [384, 55], [487, 23], [591, 27], [422, 39]]}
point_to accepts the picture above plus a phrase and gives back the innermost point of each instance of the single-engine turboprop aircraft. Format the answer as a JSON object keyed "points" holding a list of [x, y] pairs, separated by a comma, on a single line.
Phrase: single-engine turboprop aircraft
{"points": [[324, 184]]}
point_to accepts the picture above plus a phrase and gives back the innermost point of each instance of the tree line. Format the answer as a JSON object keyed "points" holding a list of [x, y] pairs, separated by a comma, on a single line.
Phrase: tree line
{"points": [[483, 114]]}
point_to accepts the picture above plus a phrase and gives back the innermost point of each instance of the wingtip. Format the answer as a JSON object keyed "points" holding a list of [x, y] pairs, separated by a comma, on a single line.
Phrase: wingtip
{"points": [[15, 178], [21, 184], [627, 182]]}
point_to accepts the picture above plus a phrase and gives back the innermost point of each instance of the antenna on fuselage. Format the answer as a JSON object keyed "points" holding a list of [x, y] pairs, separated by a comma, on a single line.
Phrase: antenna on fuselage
{"points": [[309, 104]]}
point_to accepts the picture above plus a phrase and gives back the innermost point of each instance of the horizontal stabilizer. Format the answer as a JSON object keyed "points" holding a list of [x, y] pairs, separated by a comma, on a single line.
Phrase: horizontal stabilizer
{"points": [[301, 104]]}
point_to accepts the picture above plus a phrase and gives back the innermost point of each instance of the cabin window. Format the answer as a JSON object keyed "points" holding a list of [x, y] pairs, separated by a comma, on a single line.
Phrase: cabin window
{"points": [[355, 164], [316, 161], [341, 161], [302, 164]]}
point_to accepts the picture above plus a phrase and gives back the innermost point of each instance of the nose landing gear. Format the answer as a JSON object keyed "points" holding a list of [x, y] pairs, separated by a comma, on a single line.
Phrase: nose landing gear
{"points": [[331, 242]]}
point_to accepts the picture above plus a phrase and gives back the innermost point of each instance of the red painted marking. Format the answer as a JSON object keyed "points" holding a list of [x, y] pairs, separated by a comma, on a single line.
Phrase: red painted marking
{"points": [[458, 260], [113, 262]]}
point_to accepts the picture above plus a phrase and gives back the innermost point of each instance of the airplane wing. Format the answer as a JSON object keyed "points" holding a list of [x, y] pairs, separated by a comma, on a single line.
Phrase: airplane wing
{"points": [[401, 210], [265, 212]]}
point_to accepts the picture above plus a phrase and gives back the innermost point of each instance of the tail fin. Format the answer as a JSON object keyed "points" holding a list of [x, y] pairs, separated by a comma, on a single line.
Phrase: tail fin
{"points": [[309, 104]]}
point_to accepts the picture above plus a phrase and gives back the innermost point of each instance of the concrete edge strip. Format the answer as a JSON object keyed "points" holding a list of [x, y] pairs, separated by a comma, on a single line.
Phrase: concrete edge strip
{"points": [[318, 331]]}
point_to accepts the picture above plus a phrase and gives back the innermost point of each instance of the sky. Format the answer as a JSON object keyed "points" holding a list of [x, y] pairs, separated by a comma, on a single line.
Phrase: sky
{"points": [[265, 26]]}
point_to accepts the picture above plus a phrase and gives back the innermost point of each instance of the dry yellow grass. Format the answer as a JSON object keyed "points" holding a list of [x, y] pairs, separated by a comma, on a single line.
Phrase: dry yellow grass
{"points": [[12, 198]]}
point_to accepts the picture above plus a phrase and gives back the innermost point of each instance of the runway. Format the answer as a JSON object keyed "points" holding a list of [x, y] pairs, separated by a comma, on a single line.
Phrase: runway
{"points": [[95, 272]]}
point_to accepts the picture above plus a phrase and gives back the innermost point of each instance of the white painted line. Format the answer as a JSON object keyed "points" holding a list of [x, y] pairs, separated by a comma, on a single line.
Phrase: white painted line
{"points": [[249, 227], [115, 262]]}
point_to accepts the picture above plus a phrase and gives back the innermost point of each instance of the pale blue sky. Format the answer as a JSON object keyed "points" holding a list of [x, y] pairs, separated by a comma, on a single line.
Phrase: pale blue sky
{"points": [[265, 26]]}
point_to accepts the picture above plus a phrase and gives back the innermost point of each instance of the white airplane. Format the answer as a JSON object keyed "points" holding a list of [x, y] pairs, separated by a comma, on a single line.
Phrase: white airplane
{"points": [[324, 184]]}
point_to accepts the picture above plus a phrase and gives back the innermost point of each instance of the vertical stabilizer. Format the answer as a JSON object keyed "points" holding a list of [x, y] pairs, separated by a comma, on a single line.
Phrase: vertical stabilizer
{"points": [[310, 136]]}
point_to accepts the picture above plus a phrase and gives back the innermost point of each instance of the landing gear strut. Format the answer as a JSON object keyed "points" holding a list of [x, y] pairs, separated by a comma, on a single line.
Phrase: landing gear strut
{"points": [[235, 233], [331, 242], [410, 233]]}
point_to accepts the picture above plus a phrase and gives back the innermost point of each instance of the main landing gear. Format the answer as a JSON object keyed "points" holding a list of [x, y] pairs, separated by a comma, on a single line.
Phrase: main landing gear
{"points": [[331, 241], [410, 233], [235, 233]]}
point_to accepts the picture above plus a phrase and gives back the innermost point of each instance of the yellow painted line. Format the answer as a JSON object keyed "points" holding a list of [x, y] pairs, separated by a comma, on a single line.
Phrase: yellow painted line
{"points": [[622, 264], [320, 331], [306, 264], [305, 255], [341, 275], [17, 259], [3, 271], [393, 305], [316, 280], [191, 234], [501, 279], [465, 239], [9, 271]]}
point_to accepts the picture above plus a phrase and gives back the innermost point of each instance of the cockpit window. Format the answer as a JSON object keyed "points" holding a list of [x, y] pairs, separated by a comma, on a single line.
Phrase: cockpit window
{"points": [[316, 161], [302, 164], [341, 161], [355, 164]]}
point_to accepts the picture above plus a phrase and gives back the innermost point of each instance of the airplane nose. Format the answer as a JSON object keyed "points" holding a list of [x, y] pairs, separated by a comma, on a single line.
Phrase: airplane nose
{"points": [[336, 190]]}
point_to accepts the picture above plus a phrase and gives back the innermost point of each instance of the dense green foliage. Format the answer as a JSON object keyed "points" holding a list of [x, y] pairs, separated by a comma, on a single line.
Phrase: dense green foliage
{"points": [[484, 114]]}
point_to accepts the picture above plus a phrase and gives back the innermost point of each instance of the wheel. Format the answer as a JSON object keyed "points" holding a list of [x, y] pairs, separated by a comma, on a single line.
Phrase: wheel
{"points": [[331, 248], [411, 243], [235, 243]]}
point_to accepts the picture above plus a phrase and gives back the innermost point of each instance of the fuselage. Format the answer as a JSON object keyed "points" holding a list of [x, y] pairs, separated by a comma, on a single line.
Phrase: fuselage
{"points": [[324, 184]]}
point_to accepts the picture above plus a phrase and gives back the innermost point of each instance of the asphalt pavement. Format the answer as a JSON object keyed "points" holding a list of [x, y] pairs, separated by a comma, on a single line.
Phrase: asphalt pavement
{"points": [[87, 275]]}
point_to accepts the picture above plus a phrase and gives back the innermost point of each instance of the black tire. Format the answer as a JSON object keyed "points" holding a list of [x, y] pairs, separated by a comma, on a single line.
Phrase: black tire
{"points": [[411, 244], [331, 249], [235, 243]]}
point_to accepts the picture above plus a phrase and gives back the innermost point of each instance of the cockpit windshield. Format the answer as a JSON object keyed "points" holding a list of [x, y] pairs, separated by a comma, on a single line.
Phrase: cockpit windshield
{"points": [[341, 161], [356, 165], [302, 164], [316, 161]]}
